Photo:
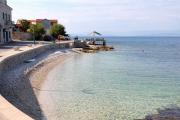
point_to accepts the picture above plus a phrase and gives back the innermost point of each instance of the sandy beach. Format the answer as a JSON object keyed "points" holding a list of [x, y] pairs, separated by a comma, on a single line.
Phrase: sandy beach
{"points": [[39, 72]]}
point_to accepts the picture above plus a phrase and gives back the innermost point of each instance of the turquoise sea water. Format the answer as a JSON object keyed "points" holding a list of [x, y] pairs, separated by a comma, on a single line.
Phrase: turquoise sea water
{"points": [[138, 77]]}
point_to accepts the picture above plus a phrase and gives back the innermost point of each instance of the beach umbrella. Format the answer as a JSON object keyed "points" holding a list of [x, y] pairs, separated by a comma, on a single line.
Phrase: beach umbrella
{"points": [[94, 33]]}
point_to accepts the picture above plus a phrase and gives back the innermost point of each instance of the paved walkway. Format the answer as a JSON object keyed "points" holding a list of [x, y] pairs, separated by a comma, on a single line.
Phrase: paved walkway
{"points": [[14, 44], [12, 49], [23, 44]]}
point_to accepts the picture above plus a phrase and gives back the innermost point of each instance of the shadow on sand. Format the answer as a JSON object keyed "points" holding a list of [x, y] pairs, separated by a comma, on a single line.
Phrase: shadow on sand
{"points": [[171, 113]]}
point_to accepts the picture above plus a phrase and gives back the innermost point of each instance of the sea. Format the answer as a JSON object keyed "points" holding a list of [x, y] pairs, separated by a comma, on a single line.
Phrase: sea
{"points": [[139, 77]]}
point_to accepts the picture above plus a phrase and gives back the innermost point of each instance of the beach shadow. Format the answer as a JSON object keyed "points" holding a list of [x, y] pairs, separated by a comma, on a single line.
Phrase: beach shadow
{"points": [[170, 113]]}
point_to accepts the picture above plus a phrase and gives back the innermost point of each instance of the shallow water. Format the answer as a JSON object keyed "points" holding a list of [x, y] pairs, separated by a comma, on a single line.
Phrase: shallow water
{"points": [[138, 77]]}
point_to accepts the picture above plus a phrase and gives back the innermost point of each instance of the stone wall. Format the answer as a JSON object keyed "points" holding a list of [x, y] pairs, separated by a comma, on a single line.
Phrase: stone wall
{"points": [[80, 44], [13, 61], [21, 36]]}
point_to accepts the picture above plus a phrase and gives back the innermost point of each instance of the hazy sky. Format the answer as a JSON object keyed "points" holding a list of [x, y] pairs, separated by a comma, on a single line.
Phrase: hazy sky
{"points": [[109, 17]]}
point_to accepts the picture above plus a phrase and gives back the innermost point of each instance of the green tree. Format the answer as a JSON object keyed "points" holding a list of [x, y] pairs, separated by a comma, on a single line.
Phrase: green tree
{"points": [[25, 24], [56, 30], [37, 30]]}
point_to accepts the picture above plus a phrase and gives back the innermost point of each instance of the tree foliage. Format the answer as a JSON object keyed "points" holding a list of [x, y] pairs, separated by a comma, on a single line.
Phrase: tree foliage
{"points": [[25, 24], [37, 30], [56, 30]]}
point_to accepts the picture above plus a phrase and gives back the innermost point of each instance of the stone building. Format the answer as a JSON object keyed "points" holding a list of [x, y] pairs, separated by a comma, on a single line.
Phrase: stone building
{"points": [[5, 22]]}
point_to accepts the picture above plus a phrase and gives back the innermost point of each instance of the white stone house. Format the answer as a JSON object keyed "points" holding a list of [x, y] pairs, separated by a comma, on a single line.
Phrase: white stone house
{"points": [[5, 22]]}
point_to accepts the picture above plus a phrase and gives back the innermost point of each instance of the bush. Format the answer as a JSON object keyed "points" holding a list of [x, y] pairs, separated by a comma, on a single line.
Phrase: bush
{"points": [[38, 31], [56, 30], [24, 25]]}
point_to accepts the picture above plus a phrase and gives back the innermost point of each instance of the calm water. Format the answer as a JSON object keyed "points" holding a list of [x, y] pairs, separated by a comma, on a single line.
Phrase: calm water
{"points": [[140, 76]]}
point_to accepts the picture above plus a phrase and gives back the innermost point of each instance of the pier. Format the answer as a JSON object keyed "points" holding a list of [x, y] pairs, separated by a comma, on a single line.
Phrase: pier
{"points": [[92, 45]]}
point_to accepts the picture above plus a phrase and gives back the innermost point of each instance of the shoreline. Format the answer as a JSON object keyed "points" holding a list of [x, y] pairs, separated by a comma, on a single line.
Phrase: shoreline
{"points": [[39, 73]]}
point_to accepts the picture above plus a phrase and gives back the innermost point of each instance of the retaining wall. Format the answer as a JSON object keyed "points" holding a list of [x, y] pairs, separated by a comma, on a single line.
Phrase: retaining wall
{"points": [[21, 36], [14, 60]]}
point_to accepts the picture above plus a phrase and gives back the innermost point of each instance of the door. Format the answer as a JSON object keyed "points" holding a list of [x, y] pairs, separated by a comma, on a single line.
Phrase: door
{"points": [[7, 37]]}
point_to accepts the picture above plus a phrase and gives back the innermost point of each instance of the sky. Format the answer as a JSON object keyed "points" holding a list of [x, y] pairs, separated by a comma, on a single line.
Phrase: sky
{"points": [[109, 17]]}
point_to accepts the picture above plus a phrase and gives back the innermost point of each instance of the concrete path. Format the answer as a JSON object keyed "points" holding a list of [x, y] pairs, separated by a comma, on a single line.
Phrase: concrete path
{"points": [[9, 112], [15, 44], [16, 47]]}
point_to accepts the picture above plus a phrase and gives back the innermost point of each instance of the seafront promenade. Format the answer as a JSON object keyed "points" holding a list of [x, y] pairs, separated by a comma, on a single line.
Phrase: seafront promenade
{"points": [[4, 53], [11, 58]]}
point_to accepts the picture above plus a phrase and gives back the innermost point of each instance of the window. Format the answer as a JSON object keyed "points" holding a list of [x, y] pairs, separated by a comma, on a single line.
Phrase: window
{"points": [[3, 15], [4, 33]]}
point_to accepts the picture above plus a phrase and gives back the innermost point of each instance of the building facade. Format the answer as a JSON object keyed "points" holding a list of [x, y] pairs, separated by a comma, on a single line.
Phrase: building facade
{"points": [[5, 22]]}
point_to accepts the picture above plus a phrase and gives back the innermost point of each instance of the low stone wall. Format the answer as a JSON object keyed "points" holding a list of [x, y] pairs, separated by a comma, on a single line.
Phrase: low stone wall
{"points": [[21, 35], [12, 61], [79, 44]]}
